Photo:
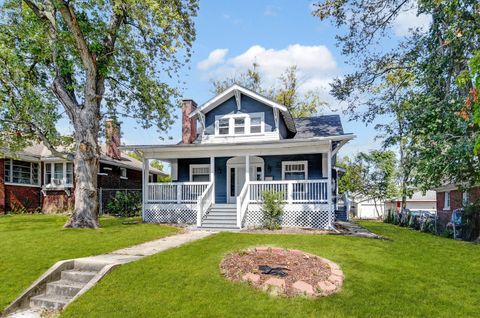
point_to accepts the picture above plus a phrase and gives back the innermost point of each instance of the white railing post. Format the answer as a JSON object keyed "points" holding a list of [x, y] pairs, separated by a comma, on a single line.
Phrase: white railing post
{"points": [[329, 185], [212, 176], [179, 193], [199, 211], [290, 192], [145, 188]]}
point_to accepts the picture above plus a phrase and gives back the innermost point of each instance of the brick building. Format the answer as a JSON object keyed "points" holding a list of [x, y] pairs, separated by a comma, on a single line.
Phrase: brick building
{"points": [[34, 179], [450, 198]]}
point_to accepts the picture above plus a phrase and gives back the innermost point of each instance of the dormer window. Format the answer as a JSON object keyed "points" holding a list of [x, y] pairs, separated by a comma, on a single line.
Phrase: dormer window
{"points": [[223, 126], [239, 124]]}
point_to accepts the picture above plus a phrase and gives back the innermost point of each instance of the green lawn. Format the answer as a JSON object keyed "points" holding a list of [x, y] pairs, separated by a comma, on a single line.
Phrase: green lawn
{"points": [[414, 275], [29, 245]]}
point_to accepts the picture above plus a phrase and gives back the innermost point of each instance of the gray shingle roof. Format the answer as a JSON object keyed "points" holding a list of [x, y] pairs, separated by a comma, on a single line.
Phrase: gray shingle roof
{"points": [[318, 126]]}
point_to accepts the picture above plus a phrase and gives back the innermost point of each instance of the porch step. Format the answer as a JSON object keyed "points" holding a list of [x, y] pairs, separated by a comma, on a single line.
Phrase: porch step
{"points": [[225, 229], [224, 205], [208, 222], [221, 216]]}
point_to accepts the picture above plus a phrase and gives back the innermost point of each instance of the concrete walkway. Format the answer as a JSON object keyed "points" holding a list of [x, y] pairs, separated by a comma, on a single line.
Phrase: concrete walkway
{"points": [[104, 263]]}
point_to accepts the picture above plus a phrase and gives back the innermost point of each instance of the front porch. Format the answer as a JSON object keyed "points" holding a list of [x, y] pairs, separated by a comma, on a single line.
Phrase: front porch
{"points": [[225, 191]]}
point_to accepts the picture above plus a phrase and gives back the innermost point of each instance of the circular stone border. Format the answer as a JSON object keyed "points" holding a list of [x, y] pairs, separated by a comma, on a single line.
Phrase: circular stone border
{"points": [[277, 286]]}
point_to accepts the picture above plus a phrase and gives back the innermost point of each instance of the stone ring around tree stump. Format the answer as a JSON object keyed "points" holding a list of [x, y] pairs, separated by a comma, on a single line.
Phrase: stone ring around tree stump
{"points": [[283, 272]]}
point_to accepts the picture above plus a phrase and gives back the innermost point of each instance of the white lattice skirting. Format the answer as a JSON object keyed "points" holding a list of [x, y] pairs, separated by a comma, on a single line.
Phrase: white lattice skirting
{"points": [[294, 215], [170, 213]]}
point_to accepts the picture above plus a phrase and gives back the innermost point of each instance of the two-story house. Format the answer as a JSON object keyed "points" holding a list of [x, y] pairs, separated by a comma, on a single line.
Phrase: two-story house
{"points": [[234, 147]]}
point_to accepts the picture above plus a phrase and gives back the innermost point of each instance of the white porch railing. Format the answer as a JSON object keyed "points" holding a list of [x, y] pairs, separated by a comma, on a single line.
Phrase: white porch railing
{"points": [[294, 191], [204, 202], [177, 192]]}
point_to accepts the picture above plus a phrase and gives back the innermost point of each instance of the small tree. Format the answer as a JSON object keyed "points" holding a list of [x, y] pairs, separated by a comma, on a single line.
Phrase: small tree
{"points": [[272, 209], [371, 176]]}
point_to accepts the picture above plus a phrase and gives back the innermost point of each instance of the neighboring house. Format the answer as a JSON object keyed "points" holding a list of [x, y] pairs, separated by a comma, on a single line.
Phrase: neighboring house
{"points": [[234, 147], [34, 179], [368, 209], [450, 198]]}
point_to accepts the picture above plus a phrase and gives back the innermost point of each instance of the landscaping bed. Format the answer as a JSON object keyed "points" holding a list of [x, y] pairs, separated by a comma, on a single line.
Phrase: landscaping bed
{"points": [[283, 272]]}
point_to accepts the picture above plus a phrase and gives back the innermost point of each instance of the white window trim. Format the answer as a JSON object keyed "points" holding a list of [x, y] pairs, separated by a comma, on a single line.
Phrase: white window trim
{"points": [[123, 173], [64, 178], [193, 166], [465, 198], [446, 203], [31, 184], [231, 124], [297, 162]]}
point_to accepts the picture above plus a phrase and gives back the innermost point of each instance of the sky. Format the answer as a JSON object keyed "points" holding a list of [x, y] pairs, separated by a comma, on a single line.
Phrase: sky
{"points": [[231, 35]]}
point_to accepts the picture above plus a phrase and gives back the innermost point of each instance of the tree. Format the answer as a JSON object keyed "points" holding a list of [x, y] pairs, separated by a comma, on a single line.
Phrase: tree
{"points": [[89, 58], [156, 164], [370, 176], [287, 93], [441, 130]]}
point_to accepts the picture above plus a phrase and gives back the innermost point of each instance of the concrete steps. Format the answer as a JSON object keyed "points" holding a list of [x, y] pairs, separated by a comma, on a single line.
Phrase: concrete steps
{"points": [[60, 292], [221, 217]]}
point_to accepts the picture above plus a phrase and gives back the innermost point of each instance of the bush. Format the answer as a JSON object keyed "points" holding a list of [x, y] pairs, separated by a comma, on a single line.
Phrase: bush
{"points": [[125, 204], [470, 224], [272, 209]]}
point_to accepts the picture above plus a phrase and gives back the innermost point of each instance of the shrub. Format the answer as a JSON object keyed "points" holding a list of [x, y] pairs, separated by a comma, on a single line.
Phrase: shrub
{"points": [[470, 224], [125, 204], [272, 209]]}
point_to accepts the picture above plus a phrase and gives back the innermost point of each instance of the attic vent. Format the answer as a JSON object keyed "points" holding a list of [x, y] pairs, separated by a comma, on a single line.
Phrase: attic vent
{"points": [[238, 99]]}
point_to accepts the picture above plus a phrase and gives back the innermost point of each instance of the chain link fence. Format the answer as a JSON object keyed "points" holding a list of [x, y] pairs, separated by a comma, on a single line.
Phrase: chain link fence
{"points": [[121, 202]]}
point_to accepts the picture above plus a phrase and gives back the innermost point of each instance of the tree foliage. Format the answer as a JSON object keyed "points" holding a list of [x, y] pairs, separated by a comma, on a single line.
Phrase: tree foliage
{"points": [[287, 92], [370, 176], [83, 59], [438, 127]]}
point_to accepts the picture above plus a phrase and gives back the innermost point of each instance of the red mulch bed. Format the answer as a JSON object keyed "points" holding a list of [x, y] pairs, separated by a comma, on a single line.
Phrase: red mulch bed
{"points": [[300, 266]]}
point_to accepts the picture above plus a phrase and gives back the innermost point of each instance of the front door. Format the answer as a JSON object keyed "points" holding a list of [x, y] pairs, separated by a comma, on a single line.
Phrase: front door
{"points": [[236, 178]]}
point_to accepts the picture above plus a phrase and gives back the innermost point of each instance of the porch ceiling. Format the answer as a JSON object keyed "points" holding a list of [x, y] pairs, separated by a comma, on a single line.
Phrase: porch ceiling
{"points": [[280, 147]]}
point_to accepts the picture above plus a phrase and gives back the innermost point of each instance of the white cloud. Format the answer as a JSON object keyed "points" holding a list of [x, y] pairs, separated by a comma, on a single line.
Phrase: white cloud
{"points": [[315, 64], [215, 57], [408, 20], [271, 10]]}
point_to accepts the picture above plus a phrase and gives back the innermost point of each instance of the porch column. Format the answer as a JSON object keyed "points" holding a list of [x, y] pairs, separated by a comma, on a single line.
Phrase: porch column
{"points": [[145, 173], [329, 185], [212, 177]]}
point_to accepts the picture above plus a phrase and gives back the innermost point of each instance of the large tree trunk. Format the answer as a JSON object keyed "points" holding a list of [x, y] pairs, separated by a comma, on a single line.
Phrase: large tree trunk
{"points": [[86, 167]]}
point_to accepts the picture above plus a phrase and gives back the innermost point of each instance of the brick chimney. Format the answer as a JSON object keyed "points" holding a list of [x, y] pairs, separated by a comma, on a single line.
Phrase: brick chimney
{"points": [[189, 125], [112, 135]]}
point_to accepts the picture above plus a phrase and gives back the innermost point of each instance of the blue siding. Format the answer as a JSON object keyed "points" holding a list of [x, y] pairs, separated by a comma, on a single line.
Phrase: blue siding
{"points": [[249, 105], [273, 165]]}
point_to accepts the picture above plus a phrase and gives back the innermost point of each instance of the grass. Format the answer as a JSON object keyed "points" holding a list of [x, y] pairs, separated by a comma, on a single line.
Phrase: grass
{"points": [[30, 244], [413, 275]]}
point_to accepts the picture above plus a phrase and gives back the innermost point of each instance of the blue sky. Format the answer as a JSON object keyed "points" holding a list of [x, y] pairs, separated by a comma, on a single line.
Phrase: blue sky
{"points": [[232, 34]]}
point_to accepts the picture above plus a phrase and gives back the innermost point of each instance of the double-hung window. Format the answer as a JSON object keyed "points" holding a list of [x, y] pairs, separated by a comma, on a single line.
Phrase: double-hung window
{"points": [[223, 126], [255, 124], [21, 172], [239, 125], [446, 202], [295, 170], [200, 173], [59, 174]]}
